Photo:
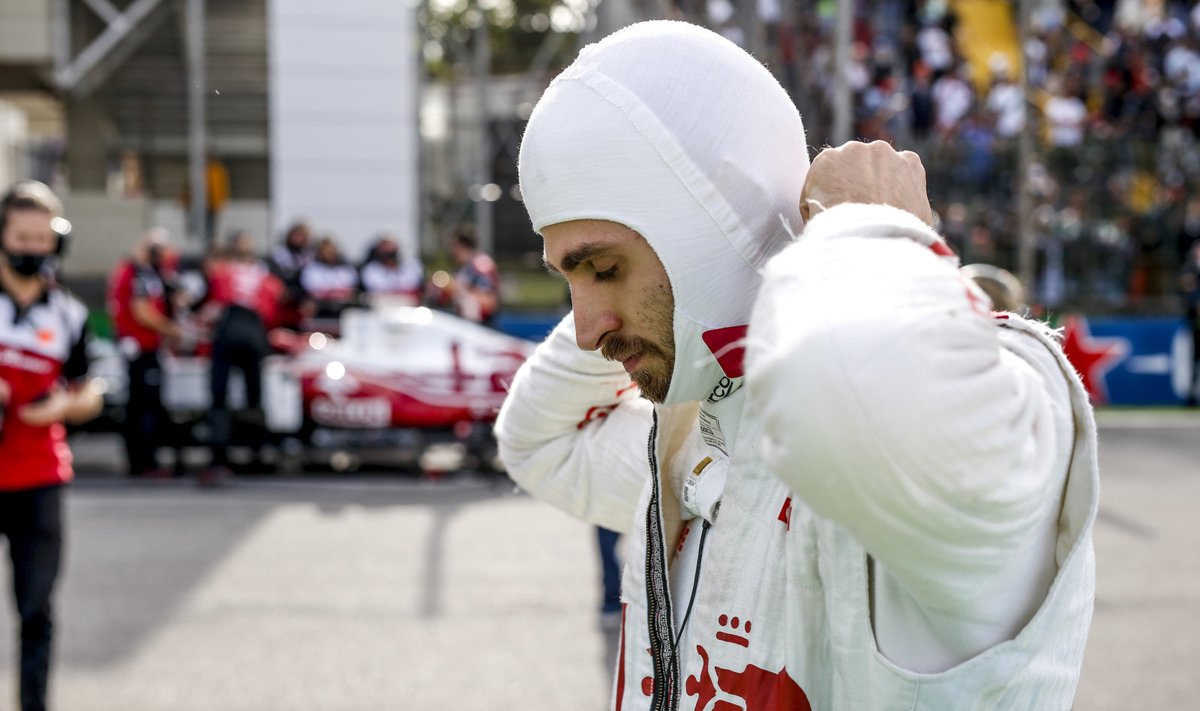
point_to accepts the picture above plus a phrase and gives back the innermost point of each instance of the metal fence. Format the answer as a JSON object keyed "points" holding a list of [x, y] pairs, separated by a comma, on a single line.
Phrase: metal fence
{"points": [[1112, 217]]}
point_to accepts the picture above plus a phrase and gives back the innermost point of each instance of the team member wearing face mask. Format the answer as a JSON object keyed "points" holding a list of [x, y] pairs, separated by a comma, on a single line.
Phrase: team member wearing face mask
{"points": [[386, 276], [43, 383]]}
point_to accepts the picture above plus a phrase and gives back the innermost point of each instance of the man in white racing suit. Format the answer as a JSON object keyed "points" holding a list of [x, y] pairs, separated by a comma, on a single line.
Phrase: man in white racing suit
{"points": [[846, 482]]}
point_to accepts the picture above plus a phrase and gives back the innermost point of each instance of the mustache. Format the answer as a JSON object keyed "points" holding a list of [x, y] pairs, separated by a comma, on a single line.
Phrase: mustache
{"points": [[618, 348]]}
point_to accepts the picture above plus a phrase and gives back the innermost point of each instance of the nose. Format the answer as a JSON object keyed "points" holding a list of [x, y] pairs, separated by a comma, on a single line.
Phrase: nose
{"points": [[593, 319]]}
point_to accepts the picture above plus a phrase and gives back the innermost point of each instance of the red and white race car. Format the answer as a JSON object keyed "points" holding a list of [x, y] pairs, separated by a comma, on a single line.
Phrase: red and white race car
{"points": [[397, 377]]}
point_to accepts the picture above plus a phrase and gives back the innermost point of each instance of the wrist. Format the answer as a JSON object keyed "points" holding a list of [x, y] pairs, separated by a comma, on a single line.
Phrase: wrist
{"points": [[874, 220]]}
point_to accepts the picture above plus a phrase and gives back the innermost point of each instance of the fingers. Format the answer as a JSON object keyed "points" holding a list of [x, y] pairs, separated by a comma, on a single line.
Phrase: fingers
{"points": [[873, 173], [875, 152], [39, 415], [44, 412]]}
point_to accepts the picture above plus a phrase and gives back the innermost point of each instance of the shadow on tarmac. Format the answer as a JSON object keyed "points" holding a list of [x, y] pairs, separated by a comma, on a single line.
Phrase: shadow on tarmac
{"points": [[159, 541]]}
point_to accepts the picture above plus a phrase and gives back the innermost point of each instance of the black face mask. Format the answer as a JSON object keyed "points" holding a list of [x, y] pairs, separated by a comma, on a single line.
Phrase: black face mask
{"points": [[27, 264], [154, 258]]}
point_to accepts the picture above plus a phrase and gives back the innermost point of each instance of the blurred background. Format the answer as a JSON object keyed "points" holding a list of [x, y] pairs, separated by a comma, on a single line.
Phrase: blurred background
{"points": [[1060, 139]]}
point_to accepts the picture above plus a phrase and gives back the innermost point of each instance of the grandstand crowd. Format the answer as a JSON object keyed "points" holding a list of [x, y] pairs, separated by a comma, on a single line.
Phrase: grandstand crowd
{"points": [[1115, 101]]}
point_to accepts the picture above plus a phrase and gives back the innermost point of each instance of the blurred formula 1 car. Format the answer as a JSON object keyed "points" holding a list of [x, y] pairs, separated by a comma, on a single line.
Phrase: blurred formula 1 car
{"points": [[397, 378]]}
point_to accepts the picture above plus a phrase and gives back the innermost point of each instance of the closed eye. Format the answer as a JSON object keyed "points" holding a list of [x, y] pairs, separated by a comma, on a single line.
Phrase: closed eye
{"points": [[607, 275]]}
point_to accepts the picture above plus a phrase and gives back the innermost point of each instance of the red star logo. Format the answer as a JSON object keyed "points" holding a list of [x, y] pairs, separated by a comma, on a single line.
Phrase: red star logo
{"points": [[1092, 357]]}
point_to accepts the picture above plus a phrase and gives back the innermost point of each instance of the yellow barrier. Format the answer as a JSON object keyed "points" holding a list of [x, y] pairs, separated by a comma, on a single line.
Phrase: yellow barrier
{"points": [[985, 28]]}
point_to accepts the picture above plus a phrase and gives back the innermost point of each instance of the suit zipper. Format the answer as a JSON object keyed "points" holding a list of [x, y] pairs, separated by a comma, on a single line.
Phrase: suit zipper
{"points": [[662, 648]]}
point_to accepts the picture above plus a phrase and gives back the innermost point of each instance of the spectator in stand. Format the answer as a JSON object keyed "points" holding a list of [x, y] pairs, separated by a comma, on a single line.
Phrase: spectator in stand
{"points": [[1181, 66], [952, 100], [1037, 57], [936, 45], [243, 295], [981, 244], [922, 101], [475, 290], [286, 261], [139, 304], [329, 283], [386, 275], [1005, 107], [1065, 115], [858, 71], [910, 50], [979, 142], [881, 103], [1005, 102]]}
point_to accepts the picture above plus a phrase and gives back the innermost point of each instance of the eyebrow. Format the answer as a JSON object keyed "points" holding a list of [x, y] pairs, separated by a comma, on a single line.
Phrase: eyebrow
{"points": [[578, 256]]}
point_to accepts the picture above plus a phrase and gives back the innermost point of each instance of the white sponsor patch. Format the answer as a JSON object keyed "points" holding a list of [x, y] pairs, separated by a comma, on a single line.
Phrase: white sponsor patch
{"points": [[710, 431], [13, 358]]}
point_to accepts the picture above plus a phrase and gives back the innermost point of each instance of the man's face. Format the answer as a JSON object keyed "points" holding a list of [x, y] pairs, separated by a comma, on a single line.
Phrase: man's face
{"points": [[297, 240], [387, 252], [28, 231], [621, 295], [327, 252], [243, 247]]}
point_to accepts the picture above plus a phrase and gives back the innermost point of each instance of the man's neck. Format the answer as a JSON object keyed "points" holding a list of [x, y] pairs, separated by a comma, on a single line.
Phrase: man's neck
{"points": [[24, 290]]}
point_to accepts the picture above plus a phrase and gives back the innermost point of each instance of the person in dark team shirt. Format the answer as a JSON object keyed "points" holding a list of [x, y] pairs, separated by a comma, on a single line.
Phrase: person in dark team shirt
{"points": [[330, 284], [243, 296], [476, 285], [286, 261], [386, 275], [43, 383], [138, 303]]}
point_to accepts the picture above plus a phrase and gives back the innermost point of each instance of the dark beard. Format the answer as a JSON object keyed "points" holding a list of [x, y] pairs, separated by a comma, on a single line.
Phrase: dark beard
{"points": [[653, 383], [654, 386]]}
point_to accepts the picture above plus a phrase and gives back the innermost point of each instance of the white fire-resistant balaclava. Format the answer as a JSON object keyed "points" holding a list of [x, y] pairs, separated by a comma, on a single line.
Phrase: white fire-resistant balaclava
{"points": [[680, 135]]}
